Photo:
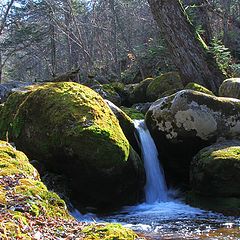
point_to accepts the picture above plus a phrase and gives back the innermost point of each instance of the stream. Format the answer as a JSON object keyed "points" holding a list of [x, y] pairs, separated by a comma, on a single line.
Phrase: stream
{"points": [[163, 215]]}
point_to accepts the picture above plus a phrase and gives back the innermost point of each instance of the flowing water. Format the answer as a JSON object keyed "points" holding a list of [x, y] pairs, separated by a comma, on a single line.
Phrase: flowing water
{"points": [[162, 216], [155, 188]]}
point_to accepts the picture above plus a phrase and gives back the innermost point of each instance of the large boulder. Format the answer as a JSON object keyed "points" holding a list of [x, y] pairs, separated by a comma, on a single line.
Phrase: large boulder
{"points": [[230, 88], [165, 84], [187, 121], [215, 172], [72, 130]]}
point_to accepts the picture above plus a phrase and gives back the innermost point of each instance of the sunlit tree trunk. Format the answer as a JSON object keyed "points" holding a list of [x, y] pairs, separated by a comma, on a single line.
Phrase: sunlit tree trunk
{"points": [[189, 52]]}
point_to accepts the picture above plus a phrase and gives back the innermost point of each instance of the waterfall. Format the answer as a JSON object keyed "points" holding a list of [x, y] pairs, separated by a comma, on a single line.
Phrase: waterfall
{"points": [[155, 188]]}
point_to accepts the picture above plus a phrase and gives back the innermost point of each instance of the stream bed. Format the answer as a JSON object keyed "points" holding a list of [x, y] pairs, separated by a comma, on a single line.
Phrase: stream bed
{"points": [[176, 220]]}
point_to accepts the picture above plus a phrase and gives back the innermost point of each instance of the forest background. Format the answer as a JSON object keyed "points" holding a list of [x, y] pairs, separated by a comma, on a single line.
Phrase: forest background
{"points": [[106, 40]]}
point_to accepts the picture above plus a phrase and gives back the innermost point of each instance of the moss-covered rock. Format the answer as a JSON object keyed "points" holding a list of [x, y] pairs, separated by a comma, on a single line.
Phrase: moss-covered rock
{"points": [[21, 188], [215, 170], [139, 92], [186, 122], [230, 88], [225, 205], [108, 232], [133, 113], [165, 82], [72, 130], [214, 174], [198, 87]]}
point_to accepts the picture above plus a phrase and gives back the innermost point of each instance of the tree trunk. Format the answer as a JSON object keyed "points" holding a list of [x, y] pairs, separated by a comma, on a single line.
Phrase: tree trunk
{"points": [[202, 18], [1, 66], [189, 52]]}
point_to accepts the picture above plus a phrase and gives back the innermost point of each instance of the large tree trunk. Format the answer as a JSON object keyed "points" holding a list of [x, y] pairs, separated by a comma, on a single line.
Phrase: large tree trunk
{"points": [[201, 18], [189, 52]]}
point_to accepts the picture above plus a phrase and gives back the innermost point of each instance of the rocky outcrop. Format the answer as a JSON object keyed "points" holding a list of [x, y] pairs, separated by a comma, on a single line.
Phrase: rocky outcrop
{"points": [[214, 174], [184, 123], [72, 130], [230, 88], [164, 85]]}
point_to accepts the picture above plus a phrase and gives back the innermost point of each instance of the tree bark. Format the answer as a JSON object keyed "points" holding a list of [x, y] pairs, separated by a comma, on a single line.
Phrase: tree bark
{"points": [[202, 18], [189, 52], [1, 66]]}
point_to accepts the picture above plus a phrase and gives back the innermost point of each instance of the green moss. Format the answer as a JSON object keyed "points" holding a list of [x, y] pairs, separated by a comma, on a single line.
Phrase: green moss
{"points": [[163, 83], [40, 200], [230, 88], [197, 87], [54, 114], [215, 170], [27, 187], [14, 162], [133, 113], [108, 232]]}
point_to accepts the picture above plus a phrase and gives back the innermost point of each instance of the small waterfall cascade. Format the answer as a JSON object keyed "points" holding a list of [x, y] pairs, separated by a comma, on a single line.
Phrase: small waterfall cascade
{"points": [[155, 188]]}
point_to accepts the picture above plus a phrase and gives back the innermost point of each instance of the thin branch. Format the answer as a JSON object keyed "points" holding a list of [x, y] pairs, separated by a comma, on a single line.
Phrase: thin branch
{"points": [[3, 22]]}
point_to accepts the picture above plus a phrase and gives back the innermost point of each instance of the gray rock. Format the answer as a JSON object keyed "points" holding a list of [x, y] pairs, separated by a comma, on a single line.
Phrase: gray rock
{"points": [[230, 88], [184, 123]]}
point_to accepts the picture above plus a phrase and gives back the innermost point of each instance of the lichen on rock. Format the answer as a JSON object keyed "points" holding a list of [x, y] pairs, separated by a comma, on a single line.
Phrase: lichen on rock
{"points": [[188, 121]]}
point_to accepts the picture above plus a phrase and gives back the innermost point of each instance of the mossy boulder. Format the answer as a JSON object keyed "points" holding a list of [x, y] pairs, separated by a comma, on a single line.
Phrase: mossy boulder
{"points": [[198, 87], [230, 88], [186, 122], [71, 129], [21, 188], [139, 92], [215, 171], [170, 81]]}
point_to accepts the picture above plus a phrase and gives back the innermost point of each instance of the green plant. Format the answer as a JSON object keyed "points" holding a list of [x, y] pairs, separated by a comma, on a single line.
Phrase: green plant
{"points": [[222, 55]]}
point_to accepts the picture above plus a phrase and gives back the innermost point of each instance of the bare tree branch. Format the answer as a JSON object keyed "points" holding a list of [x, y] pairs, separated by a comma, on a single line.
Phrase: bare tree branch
{"points": [[4, 19]]}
